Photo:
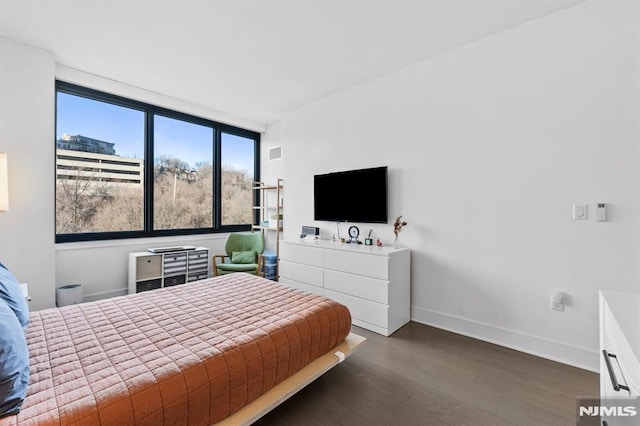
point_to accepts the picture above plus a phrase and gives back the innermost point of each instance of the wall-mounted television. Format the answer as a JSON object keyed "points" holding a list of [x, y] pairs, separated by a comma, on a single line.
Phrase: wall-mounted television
{"points": [[351, 196]]}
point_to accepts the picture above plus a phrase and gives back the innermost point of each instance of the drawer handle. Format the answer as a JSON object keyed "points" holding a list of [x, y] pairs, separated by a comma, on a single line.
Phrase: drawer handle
{"points": [[614, 381]]}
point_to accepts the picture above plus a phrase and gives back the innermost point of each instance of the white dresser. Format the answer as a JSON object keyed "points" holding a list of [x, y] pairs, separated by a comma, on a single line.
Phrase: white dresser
{"points": [[373, 282], [619, 350]]}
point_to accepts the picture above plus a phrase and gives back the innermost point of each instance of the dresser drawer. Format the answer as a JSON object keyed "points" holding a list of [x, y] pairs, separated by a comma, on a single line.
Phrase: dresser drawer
{"points": [[148, 285], [148, 267], [171, 281], [198, 261], [625, 364], [197, 276], [198, 255], [301, 273], [301, 286], [357, 285], [357, 263], [175, 263], [299, 254], [364, 310], [199, 266]]}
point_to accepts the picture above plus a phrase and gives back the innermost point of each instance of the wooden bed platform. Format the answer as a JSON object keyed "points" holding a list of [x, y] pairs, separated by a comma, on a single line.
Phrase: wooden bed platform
{"points": [[287, 388]]}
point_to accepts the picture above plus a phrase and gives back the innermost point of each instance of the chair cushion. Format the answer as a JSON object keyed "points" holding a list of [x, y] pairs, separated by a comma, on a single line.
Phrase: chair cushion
{"points": [[243, 257], [11, 293], [237, 267], [14, 362]]}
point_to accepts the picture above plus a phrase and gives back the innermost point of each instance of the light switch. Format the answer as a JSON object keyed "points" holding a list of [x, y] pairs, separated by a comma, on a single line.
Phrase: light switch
{"points": [[579, 212]]}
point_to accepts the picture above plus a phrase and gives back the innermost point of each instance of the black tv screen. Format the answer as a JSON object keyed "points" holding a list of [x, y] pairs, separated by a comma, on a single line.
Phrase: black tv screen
{"points": [[351, 196]]}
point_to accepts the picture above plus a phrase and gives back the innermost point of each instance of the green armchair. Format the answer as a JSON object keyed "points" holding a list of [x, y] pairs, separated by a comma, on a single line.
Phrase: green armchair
{"points": [[243, 254]]}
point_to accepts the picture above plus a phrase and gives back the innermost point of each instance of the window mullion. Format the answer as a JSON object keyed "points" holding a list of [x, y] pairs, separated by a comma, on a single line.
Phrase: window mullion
{"points": [[148, 171], [217, 181]]}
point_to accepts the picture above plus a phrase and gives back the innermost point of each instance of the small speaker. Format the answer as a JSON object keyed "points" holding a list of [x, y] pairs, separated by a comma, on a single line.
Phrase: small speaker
{"points": [[310, 230]]}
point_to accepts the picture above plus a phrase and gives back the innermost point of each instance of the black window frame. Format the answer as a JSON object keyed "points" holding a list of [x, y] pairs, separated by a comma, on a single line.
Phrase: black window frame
{"points": [[150, 111]]}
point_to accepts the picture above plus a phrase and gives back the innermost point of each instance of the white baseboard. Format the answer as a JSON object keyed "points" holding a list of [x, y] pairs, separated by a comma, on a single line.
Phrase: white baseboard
{"points": [[104, 295], [576, 356]]}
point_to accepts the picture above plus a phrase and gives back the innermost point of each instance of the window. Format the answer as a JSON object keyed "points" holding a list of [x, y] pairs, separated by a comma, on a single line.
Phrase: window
{"points": [[99, 184], [237, 152], [126, 169], [182, 174]]}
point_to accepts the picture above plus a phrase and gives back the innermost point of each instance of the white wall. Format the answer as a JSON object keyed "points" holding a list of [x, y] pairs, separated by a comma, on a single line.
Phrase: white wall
{"points": [[26, 134], [488, 147], [102, 267]]}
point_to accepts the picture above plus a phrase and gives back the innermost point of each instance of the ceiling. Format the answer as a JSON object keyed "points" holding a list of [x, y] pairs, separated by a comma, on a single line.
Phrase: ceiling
{"points": [[256, 60]]}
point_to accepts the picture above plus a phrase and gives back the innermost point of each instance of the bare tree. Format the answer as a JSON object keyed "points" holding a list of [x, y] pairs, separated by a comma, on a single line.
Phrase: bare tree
{"points": [[237, 197], [85, 204], [75, 204]]}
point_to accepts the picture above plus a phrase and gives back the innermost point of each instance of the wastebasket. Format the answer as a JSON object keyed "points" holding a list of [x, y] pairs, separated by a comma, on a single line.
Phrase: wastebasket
{"points": [[270, 261], [69, 295]]}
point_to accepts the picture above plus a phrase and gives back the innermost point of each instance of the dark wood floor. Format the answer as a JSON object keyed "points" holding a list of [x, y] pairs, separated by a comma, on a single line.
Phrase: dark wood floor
{"points": [[425, 376]]}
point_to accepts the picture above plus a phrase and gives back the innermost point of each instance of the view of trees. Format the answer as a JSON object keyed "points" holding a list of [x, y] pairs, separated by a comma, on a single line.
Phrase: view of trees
{"points": [[237, 197], [182, 198]]}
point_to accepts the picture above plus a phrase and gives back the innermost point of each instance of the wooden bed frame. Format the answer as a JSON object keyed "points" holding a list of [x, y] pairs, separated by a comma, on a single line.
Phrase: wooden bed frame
{"points": [[288, 387]]}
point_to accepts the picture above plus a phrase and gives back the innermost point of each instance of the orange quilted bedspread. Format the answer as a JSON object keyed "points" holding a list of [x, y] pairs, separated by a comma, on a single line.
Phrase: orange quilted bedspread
{"points": [[191, 354]]}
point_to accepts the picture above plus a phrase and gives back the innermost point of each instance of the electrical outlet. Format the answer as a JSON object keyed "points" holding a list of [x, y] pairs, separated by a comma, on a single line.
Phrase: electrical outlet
{"points": [[557, 302]]}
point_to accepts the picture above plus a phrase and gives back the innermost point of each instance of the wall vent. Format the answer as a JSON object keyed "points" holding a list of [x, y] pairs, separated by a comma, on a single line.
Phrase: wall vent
{"points": [[275, 153]]}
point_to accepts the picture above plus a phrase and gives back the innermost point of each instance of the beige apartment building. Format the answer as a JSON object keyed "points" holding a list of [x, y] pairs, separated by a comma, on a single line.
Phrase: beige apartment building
{"points": [[80, 157]]}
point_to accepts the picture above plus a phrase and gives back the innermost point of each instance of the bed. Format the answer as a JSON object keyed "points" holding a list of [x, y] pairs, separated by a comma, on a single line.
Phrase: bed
{"points": [[235, 345]]}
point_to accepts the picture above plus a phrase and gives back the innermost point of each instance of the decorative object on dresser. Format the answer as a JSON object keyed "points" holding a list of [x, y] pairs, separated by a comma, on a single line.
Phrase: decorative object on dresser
{"points": [[373, 282], [369, 241], [397, 228], [149, 270], [310, 230], [354, 233], [619, 354]]}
